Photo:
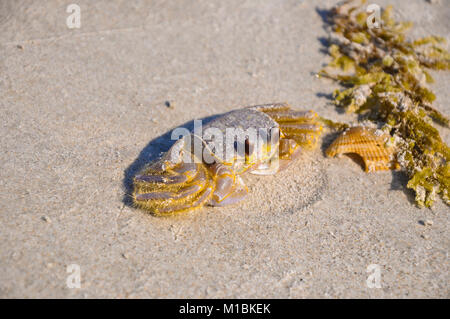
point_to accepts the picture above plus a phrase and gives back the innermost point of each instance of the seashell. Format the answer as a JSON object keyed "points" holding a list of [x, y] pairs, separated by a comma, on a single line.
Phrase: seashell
{"points": [[368, 143]]}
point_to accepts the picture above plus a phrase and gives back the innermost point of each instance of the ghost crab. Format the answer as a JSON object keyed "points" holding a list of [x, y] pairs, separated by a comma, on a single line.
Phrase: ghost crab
{"points": [[184, 179]]}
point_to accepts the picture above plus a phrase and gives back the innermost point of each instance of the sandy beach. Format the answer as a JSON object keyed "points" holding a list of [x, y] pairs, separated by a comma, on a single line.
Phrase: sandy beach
{"points": [[83, 109]]}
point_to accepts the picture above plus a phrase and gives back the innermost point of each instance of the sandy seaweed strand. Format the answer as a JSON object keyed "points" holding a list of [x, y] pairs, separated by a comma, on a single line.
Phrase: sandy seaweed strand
{"points": [[386, 79]]}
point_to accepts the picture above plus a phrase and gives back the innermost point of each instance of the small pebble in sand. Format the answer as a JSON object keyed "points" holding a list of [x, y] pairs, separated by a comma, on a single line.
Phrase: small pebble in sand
{"points": [[19, 47], [169, 104], [124, 255], [427, 222], [425, 236], [46, 219]]}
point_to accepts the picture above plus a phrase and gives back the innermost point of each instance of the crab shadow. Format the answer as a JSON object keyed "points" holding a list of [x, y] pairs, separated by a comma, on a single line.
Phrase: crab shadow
{"points": [[151, 152], [325, 15], [399, 182]]}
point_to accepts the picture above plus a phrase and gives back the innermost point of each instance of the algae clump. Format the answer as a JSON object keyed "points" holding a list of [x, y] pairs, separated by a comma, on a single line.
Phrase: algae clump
{"points": [[385, 78]]}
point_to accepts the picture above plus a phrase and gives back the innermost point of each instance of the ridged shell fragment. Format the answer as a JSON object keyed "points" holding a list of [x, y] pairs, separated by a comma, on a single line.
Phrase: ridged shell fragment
{"points": [[367, 143]]}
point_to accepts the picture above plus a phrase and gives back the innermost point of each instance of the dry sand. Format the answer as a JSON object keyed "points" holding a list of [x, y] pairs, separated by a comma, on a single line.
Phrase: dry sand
{"points": [[82, 109]]}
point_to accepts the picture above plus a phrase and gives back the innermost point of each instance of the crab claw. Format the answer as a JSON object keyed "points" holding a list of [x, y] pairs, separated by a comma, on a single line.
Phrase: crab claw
{"points": [[229, 188]]}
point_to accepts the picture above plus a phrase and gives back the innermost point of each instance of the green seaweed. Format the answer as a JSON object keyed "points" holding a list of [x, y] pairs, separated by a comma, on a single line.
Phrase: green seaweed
{"points": [[338, 126], [385, 76]]}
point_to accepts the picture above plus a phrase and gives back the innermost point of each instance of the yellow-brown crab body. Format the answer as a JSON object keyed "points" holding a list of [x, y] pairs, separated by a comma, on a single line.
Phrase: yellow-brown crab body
{"points": [[205, 168]]}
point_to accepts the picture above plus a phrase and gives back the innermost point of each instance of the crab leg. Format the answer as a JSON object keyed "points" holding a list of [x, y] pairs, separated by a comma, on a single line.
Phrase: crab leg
{"points": [[287, 148], [179, 188], [272, 107], [307, 140], [300, 126], [179, 174], [298, 129], [305, 134], [166, 190], [183, 193], [199, 201], [164, 179], [292, 116]]}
